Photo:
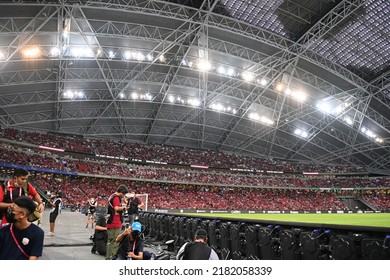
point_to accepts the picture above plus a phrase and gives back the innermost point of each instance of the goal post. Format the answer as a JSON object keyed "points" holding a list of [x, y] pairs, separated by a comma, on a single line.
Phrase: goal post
{"points": [[144, 197]]}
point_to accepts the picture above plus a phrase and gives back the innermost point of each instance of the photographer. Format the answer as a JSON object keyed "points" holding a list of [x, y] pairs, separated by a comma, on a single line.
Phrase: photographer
{"points": [[100, 236], [198, 249], [131, 244], [115, 219]]}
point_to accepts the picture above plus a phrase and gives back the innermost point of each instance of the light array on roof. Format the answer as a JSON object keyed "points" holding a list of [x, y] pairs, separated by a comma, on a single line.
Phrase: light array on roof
{"points": [[175, 99], [219, 107], [2, 55], [327, 108], [80, 52], [31, 52], [291, 92], [260, 118], [371, 134], [301, 133], [141, 96], [73, 94]]}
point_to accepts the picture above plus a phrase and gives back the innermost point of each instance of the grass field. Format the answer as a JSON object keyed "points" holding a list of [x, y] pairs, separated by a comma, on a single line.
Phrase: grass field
{"points": [[354, 219]]}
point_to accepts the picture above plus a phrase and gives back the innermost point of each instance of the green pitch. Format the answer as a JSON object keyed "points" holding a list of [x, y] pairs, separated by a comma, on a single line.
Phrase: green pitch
{"points": [[369, 219]]}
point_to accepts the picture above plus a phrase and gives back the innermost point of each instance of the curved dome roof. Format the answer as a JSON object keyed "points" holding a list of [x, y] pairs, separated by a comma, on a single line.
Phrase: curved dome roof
{"points": [[307, 81]]}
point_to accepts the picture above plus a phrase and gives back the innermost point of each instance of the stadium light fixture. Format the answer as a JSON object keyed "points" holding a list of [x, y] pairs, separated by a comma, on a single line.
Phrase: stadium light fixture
{"points": [[32, 52], [55, 51], [171, 99], [348, 120], [301, 133], [263, 82], [134, 95], [204, 65], [2, 55], [121, 95], [194, 102], [248, 76]]}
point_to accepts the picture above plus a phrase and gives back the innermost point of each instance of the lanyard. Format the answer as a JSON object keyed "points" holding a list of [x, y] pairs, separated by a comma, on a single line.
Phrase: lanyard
{"points": [[10, 187], [16, 241]]}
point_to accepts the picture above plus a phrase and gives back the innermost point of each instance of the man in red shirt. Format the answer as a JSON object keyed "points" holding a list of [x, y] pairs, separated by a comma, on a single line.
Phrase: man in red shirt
{"points": [[115, 220], [17, 187]]}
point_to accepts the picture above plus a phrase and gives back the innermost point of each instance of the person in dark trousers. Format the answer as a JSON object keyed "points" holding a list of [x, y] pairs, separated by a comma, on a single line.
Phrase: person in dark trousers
{"points": [[100, 236], [115, 209], [198, 249], [56, 204], [92, 203], [131, 245], [133, 206], [21, 239]]}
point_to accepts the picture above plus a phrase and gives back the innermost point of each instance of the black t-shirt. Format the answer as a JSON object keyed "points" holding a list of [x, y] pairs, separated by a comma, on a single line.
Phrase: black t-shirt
{"points": [[127, 246], [133, 205]]}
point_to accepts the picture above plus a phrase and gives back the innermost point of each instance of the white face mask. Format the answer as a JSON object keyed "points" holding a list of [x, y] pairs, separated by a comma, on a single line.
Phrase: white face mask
{"points": [[132, 195]]}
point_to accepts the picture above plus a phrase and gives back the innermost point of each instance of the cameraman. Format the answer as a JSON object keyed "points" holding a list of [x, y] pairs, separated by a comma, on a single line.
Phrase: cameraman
{"points": [[198, 249], [131, 244]]}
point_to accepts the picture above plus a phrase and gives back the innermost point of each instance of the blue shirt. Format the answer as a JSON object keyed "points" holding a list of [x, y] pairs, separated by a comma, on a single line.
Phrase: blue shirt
{"points": [[30, 240]]}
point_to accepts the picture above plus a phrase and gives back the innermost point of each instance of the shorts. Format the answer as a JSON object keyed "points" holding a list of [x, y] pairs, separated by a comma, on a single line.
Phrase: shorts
{"points": [[53, 217]]}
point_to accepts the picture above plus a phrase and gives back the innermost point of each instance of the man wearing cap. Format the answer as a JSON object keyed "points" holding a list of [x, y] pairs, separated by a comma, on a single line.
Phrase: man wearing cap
{"points": [[115, 220], [131, 244], [21, 239], [198, 249]]}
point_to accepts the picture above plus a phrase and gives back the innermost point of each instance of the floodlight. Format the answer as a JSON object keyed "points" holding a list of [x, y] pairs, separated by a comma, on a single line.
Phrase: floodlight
{"points": [[247, 76], [300, 96], [127, 55], [121, 95], [304, 134], [279, 87], [134, 95], [149, 57], [171, 99], [348, 120], [324, 107], [263, 82], [221, 70], [194, 102], [204, 65], [33, 52], [55, 51], [79, 94], [230, 72], [68, 94]]}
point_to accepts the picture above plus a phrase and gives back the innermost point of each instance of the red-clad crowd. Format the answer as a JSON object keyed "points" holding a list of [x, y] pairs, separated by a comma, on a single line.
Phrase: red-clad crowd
{"points": [[182, 187], [173, 196], [169, 154]]}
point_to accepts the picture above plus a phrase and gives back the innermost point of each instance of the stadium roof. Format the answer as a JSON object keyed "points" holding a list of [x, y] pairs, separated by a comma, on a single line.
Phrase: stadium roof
{"points": [[295, 80]]}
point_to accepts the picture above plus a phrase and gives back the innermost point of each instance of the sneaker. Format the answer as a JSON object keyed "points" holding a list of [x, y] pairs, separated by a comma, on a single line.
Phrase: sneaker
{"points": [[86, 226], [50, 233]]}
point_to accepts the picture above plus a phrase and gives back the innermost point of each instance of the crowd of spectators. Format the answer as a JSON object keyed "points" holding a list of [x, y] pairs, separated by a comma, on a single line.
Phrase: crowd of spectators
{"points": [[173, 196], [182, 187], [168, 154], [37, 158]]}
